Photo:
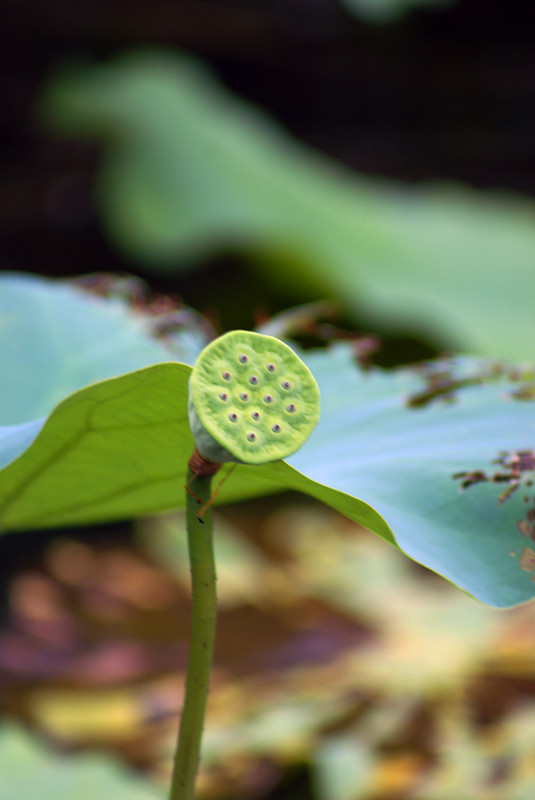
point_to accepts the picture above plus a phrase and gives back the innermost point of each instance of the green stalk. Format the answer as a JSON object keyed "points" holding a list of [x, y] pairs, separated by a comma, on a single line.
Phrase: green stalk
{"points": [[203, 624]]}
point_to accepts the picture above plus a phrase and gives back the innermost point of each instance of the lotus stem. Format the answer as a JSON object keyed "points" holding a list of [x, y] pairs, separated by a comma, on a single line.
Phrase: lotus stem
{"points": [[203, 626]]}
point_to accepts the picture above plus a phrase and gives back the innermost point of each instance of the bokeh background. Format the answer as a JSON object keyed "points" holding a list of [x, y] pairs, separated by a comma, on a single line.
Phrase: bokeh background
{"points": [[343, 670]]}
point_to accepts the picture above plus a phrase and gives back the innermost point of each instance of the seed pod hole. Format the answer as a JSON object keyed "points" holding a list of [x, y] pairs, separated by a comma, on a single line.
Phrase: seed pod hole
{"points": [[244, 396], [271, 367], [255, 415], [286, 385], [291, 407], [268, 398], [253, 380], [251, 436], [233, 417], [243, 358], [226, 375], [276, 428]]}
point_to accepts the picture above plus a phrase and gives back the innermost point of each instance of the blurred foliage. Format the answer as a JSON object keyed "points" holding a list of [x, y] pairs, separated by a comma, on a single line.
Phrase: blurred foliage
{"points": [[188, 171], [28, 769], [397, 686], [385, 453], [389, 10]]}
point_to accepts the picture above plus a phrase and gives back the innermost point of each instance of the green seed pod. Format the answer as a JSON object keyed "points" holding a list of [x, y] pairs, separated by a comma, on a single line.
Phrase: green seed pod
{"points": [[251, 399]]}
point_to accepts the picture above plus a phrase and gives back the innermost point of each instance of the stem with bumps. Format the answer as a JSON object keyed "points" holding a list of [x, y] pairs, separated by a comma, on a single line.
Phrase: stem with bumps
{"points": [[203, 625]]}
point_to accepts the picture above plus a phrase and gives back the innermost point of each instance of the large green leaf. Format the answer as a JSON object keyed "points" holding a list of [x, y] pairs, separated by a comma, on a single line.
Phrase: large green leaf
{"points": [[189, 170], [28, 769], [118, 448]]}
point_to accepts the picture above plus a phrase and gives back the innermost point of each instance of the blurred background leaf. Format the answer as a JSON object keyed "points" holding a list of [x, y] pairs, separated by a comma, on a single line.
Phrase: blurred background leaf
{"points": [[29, 770], [379, 11], [189, 171]]}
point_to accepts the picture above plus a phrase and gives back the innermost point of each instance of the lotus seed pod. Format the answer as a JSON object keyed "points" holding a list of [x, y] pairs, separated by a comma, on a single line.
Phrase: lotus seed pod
{"points": [[251, 399]]}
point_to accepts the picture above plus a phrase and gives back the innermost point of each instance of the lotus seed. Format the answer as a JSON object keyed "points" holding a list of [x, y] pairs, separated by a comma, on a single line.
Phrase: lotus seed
{"points": [[244, 383]]}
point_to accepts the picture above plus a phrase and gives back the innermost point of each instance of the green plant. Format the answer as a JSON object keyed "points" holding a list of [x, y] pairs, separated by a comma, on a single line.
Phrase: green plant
{"points": [[111, 403], [251, 400], [436, 459]]}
